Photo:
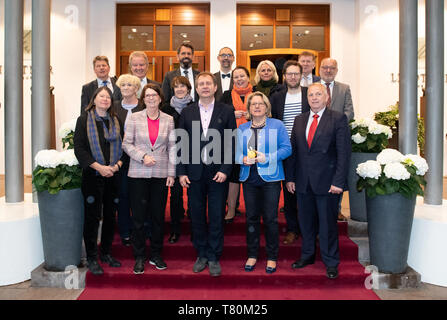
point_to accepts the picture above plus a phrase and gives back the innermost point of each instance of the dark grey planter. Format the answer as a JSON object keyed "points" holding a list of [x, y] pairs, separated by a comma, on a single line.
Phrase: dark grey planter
{"points": [[357, 200], [390, 218], [62, 223]]}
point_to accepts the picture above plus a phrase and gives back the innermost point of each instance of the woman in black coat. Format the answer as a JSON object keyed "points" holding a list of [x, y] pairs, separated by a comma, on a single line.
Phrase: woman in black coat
{"points": [[97, 146], [181, 99]]}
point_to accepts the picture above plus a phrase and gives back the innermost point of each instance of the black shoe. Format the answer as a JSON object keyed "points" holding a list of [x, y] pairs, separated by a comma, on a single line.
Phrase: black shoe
{"points": [[94, 267], [111, 261], [228, 221], [173, 238], [302, 263], [158, 263], [126, 242], [332, 272], [139, 266]]}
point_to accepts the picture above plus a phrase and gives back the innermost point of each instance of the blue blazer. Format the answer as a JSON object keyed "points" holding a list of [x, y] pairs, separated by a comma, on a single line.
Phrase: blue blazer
{"points": [[273, 141]]}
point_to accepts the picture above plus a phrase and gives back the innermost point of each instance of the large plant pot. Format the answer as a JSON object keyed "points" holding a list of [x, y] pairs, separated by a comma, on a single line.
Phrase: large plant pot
{"points": [[357, 200], [62, 222], [390, 218]]}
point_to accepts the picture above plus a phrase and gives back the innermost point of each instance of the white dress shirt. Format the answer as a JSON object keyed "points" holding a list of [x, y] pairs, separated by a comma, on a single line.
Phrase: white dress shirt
{"points": [[109, 83], [225, 81], [190, 77], [311, 119], [205, 119]]}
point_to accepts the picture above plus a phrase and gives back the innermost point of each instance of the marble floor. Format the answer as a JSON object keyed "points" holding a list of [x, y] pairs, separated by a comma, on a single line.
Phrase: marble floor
{"points": [[24, 291]]}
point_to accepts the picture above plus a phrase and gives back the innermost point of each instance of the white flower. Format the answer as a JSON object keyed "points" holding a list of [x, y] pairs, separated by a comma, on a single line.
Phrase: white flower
{"points": [[389, 156], [387, 131], [67, 127], [369, 169], [396, 171], [47, 158], [358, 138], [68, 157], [364, 122], [353, 124], [419, 162]]}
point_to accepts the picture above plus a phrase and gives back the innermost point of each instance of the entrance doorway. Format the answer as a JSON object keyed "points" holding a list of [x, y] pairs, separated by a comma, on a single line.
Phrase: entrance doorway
{"points": [[278, 57]]}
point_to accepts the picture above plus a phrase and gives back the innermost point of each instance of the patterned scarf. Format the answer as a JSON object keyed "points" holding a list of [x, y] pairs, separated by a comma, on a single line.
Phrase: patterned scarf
{"points": [[112, 135], [265, 86], [238, 105], [180, 104]]}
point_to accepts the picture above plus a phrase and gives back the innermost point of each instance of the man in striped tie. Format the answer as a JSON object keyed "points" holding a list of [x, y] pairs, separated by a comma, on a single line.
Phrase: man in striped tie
{"points": [[317, 172]]}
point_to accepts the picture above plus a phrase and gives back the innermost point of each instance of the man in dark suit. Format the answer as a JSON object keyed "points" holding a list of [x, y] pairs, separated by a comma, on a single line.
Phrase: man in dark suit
{"points": [[223, 76], [101, 67], [205, 170], [286, 105], [185, 55], [317, 171], [307, 60], [139, 65]]}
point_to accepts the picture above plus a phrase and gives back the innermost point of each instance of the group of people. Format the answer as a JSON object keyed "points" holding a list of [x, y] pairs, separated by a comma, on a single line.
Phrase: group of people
{"points": [[136, 138]]}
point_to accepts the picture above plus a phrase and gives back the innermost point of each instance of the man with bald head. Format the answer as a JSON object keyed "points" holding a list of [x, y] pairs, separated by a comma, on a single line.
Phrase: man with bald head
{"points": [[340, 98], [317, 172], [223, 76]]}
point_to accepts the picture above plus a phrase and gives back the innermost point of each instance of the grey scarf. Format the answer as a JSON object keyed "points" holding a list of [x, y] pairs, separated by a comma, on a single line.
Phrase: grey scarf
{"points": [[180, 104]]}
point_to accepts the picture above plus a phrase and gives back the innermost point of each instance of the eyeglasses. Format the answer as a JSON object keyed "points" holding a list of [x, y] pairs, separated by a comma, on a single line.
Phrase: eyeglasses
{"points": [[151, 95], [292, 74], [258, 104], [328, 68], [225, 55]]}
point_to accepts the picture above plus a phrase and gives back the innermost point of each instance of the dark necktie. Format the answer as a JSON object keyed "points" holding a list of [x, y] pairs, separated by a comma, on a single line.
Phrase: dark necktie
{"points": [[228, 75], [328, 104], [185, 72], [104, 83], [313, 128]]}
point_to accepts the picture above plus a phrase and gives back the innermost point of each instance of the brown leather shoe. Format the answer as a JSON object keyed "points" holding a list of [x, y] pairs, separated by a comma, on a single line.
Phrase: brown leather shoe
{"points": [[290, 237]]}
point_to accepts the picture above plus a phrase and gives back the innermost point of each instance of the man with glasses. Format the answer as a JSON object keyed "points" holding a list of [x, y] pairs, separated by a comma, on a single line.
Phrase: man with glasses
{"points": [[286, 105], [223, 76], [340, 98]]}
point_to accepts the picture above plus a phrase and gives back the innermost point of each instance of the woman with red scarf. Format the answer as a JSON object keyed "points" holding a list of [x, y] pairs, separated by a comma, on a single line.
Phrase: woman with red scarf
{"points": [[236, 97]]}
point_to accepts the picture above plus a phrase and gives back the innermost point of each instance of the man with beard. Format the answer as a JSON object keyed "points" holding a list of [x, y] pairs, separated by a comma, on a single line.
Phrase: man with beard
{"points": [[286, 105], [185, 55], [223, 76]]}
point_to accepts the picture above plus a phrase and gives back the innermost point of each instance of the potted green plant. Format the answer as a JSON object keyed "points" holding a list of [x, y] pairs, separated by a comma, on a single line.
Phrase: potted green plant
{"points": [[391, 182], [57, 180], [390, 118], [368, 139]]}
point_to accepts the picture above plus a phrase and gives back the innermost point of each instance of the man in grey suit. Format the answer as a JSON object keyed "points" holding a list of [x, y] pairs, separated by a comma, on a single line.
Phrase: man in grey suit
{"points": [[223, 76], [340, 98], [185, 55]]}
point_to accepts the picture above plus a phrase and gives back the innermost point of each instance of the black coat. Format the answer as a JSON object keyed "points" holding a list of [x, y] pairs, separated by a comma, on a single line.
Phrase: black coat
{"points": [[278, 99], [221, 119], [89, 89]]}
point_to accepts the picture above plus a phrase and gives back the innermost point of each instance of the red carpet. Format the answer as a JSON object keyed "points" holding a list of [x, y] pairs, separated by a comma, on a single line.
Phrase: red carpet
{"points": [[178, 282]]}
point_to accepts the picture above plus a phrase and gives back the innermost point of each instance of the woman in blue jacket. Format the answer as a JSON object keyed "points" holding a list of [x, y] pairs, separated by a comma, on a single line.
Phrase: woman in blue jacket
{"points": [[262, 145]]}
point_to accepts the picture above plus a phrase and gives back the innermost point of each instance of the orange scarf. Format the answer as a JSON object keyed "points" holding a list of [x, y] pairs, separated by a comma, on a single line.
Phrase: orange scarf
{"points": [[238, 105]]}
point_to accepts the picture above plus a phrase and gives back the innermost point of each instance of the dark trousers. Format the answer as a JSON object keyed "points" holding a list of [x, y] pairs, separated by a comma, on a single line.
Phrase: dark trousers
{"points": [[176, 207], [148, 199], [208, 236], [290, 210], [262, 201], [318, 214], [100, 200], [124, 218]]}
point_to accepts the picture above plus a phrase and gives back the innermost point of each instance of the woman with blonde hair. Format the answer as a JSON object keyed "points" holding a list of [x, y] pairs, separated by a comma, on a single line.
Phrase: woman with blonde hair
{"points": [[266, 78]]}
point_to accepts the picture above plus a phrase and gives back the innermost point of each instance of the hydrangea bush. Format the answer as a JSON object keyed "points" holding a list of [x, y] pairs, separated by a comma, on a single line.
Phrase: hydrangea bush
{"points": [[58, 170], [369, 136], [393, 172]]}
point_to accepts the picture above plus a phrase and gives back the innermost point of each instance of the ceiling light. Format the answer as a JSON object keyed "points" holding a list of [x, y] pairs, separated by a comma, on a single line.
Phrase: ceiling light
{"points": [[251, 45], [307, 32], [134, 29]]}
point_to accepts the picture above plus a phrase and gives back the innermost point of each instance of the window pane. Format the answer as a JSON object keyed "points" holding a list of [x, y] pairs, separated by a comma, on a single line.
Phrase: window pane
{"points": [[162, 39], [137, 38], [194, 35], [256, 37], [282, 37], [305, 37]]}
